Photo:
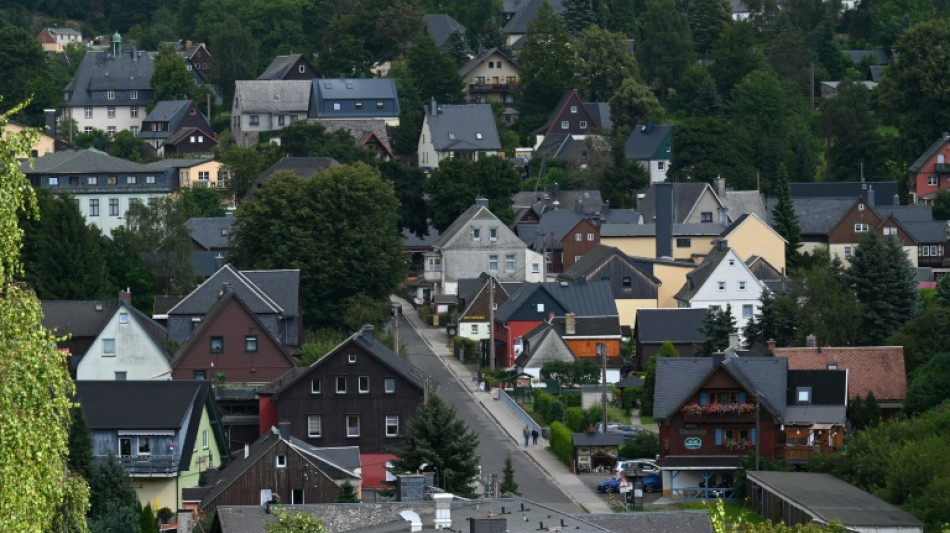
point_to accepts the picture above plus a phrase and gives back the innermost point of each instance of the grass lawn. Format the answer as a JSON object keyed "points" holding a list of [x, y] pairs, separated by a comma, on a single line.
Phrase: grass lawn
{"points": [[646, 420]]}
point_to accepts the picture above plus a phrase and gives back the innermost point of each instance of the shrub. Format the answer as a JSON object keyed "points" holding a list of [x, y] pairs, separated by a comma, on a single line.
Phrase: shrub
{"points": [[643, 445], [571, 400], [556, 412], [595, 415], [629, 399], [576, 419], [542, 404], [562, 443], [470, 347]]}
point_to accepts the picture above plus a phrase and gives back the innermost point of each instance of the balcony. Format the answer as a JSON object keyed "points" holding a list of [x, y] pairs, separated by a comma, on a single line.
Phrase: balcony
{"points": [[492, 87], [147, 465], [715, 412], [800, 454]]}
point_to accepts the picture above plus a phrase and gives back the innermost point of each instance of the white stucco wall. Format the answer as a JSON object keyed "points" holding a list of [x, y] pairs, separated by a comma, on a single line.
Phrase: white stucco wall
{"points": [[732, 275], [104, 220], [135, 353]]}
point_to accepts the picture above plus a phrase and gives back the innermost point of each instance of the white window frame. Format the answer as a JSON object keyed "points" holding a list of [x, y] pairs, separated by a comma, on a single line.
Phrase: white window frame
{"points": [[535, 268], [134, 95], [474, 329], [583, 124], [573, 109], [931, 180], [748, 310], [493, 264], [123, 318], [392, 423], [360, 381], [87, 111], [476, 234], [847, 252], [511, 263], [742, 285], [389, 385], [351, 358], [722, 286], [314, 421], [349, 426], [108, 347], [315, 386], [340, 380], [204, 439], [280, 461], [110, 95], [493, 234], [860, 227], [565, 125], [803, 395], [578, 237], [590, 237]]}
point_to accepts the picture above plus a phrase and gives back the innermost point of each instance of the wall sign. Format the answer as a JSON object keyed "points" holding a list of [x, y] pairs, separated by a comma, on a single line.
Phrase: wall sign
{"points": [[693, 443]]}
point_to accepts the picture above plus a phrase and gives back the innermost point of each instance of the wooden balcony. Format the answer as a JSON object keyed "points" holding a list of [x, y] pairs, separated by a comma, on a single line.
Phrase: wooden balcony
{"points": [[491, 87], [147, 465], [716, 418], [801, 454]]}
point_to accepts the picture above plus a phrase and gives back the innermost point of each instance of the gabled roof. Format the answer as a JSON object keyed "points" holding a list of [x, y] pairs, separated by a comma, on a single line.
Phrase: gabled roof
{"points": [[648, 229], [602, 327], [279, 67], [744, 218], [526, 12], [877, 369], [101, 71], [257, 298], [538, 344], [556, 224], [441, 27], [600, 111], [744, 202], [817, 216], [475, 211], [352, 88], [929, 154], [572, 95], [884, 191], [601, 254], [63, 31], [364, 131], [184, 133], [875, 73], [927, 232], [82, 161], [878, 56], [680, 326], [467, 68], [272, 96], [548, 200], [698, 277], [907, 213], [685, 197], [649, 142], [305, 167], [463, 127], [773, 279], [583, 298], [170, 111]]}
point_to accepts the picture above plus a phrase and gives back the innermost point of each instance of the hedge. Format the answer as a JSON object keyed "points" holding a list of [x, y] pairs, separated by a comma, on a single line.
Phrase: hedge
{"points": [[562, 443]]}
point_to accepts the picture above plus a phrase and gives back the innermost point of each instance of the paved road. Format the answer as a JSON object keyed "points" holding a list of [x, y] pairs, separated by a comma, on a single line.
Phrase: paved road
{"points": [[493, 445]]}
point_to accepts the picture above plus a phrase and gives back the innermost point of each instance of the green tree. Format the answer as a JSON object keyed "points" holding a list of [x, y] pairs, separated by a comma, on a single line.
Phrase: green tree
{"points": [[864, 412], [718, 325], [757, 96], [696, 94], [707, 19], [199, 202], [311, 139], [788, 53], [435, 73], [570, 374], [633, 104], [347, 493], [113, 504], [62, 255], [80, 445], [666, 49], [314, 225], [708, 148], [243, 165], [456, 183], [235, 56], [508, 484], [405, 137], [883, 280], [930, 385], [649, 378], [147, 522], [735, 55], [126, 145], [819, 303], [296, 522], [458, 48], [409, 183], [913, 92], [926, 334], [785, 219], [171, 79], [547, 61], [603, 63], [853, 147], [27, 75], [941, 206], [436, 436], [35, 387]]}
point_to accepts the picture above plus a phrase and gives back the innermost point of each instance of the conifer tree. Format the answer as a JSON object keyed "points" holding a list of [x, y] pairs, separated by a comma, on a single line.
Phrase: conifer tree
{"points": [[508, 485], [883, 281], [347, 493], [785, 219], [80, 445]]}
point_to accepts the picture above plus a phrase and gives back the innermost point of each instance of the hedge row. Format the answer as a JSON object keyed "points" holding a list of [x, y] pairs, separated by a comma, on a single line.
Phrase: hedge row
{"points": [[562, 443]]}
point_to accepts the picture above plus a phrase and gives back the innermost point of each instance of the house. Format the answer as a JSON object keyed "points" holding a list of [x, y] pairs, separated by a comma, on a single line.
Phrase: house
{"points": [[829, 89], [289, 67], [651, 145], [108, 339], [871, 369], [722, 282], [517, 26], [491, 77], [682, 327], [476, 298], [857, 221], [210, 240], [441, 28], [272, 295], [57, 39], [370, 134], [738, 203], [692, 203], [110, 90], [633, 285], [797, 498], [279, 467], [457, 131], [163, 433], [354, 99], [104, 186], [267, 105], [741, 11], [360, 394], [574, 151], [45, 142], [304, 167], [479, 242], [542, 345], [563, 236], [583, 313], [751, 236], [930, 172], [687, 243], [178, 127], [197, 172], [885, 192], [231, 344], [571, 116], [197, 59], [530, 206]]}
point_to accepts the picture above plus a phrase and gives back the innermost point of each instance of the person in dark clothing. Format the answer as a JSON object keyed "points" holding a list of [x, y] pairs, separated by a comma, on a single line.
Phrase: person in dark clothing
{"points": [[534, 436]]}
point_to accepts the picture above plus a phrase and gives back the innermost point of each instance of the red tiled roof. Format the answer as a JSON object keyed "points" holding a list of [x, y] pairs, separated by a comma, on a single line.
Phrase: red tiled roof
{"points": [[878, 369]]}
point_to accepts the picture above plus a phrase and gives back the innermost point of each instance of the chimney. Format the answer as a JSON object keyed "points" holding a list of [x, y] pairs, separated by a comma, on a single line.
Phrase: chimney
{"points": [[284, 428], [605, 209], [897, 200], [126, 295], [135, 55], [870, 196], [579, 207], [188, 45], [488, 524], [49, 120], [772, 346], [443, 510], [482, 202], [247, 451], [226, 288], [811, 341], [722, 245], [550, 318], [722, 216], [570, 324], [434, 108], [367, 333], [664, 220], [557, 189], [720, 185]]}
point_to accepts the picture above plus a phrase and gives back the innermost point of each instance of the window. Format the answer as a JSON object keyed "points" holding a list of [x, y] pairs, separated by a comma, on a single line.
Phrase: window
{"points": [[120, 376], [341, 384], [110, 111], [280, 122], [199, 375], [931, 180], [130, 180], [254, 120], [112, 180], [706, 216], [53, 182], [890, 230], [87, 112], [493, 263], [860, 227], [204, 175], [476, 234], [358, 105], [250, 344], [296, 497], [660, 165], [722, 285], [380, 105], [392, 425], [474, 329], [626, 282], [92, 180], [351, 358], [111, 131], [315, 386], [715, 307], [87, 129], [741, 285], [314, 426], [683, 243], [573, 109], [583, 124], [732, 262], [204, 439], [150, 179], [336, 106], [113, 207], [565, 124], [493, 234], [217, 345], [803, 394], [145, 446], [535, 268], [747, 310], [847, 252], [110, 95], [364, 384], [389, 385], [123, 318], [281, 461], [134, 95], [590, 237], [832, 366], [478, 135], [301, 69], [540, 308], [93, 207], [509, 263], [352, 425], [451, 135], [73, 180]]}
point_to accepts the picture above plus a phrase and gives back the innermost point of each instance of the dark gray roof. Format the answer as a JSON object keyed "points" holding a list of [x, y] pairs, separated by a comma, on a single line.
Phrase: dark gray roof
{"points": [[767, 375], [361, 130], [559, 199], [589, 327], [644, 140], [817, 216], [305, 167], [875, 73], [79, 318], [211, 233], [700, 462], [526, 12], [584, 299], [598, 439], [697, 278], [281, 285], [907, 213], [170, 111], [745, 203], [350, 88], [138, 404], [279, 67], [467, 68], [828, 499], [928, 154], [884, 191], [815, 414], [460, 223], [685, 196], [82, 161], [774, 280], [927, 232], [632, 380], [263, 291], [677, 325], [878, 56], [411, 240], [440, 27], [463, 127], [601, 113], [711, 229], [654, 522], [555, 224], [101, 71]]}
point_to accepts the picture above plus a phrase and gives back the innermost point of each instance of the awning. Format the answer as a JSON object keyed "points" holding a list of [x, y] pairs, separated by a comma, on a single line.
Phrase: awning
{"points": [[822, 426]]}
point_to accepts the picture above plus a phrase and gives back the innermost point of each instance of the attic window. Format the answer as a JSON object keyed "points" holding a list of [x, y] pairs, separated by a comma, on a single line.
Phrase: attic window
{"points": [[336, 106], [351, 358], [573, 109], [349, 85], [380, 105], [478, 135], [123, 318], [540, 308], [451, 136], [191, 111], [860, 207], [626, 282], [327, 85], [803, 395], [281, 461], [301, 69], [358, 105]]}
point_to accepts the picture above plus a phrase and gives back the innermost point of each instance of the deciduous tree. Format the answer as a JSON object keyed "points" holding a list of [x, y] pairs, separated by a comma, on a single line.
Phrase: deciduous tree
{"points": [[435, 74], [295, 522], [547, 60], [454, 186], [235, 56], [666, 49], [632, 104], [708, 148], [171, 79], [243, 166], [603, 63]]}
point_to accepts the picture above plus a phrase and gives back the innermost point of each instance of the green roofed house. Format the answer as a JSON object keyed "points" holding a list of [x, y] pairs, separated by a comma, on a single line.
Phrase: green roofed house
{"points": [[651, 144]]}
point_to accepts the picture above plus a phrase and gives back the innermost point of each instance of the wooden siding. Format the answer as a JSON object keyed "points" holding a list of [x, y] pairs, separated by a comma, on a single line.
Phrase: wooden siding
{"points": [[574, 248], [588, 348], [298, 402]]}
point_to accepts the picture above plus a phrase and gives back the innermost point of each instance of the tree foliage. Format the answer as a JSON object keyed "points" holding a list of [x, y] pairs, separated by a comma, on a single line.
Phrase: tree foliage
{"points": [[409, 183], [294, 522], [666, 49], [454, 186], [311, 139], [883, 280], [633, 104], [547, 61], [785, 219], [707, 19], [113, 504], [244, 165], [853, 147], [508, 484], [341, 220], [171, 79], [708, 148], [718, 325], [435, 73], [864, 412], [347, 493], [928, 333], [436, 436], [930, 385], [80, 445], [582, 371], [603, 63], [235, 56]]}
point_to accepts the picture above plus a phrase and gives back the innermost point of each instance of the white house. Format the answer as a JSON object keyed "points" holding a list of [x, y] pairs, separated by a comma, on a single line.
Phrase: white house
{"points": [[462, 131]]}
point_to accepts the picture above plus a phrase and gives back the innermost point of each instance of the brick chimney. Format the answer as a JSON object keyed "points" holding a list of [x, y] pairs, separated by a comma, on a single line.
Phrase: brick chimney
{"points": [[126, 296]]}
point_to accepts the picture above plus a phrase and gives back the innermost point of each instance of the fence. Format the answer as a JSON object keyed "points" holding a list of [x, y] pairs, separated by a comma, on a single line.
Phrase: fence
{"points": [[518, 411]]}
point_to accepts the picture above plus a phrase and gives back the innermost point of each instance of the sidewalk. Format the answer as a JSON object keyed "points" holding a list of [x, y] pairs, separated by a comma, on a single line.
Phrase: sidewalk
{"points": [[559, 474]]}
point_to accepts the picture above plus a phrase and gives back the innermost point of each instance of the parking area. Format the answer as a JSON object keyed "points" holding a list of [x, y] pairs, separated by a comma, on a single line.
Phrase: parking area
{"points": [[592, 480]]}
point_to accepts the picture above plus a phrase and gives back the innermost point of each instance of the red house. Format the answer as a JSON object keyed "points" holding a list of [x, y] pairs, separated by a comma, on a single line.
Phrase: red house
{"points": [[930, 173]]}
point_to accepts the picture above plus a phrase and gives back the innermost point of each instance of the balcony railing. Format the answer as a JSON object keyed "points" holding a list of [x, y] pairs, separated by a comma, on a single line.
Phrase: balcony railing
{"points": [[148, 465], [803, 453], [733, 412], [491, 87]]}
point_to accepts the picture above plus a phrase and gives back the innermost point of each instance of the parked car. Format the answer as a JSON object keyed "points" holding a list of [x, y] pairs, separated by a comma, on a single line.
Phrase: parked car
{"points": [[628, 431], [650, 483], [647, 466]]}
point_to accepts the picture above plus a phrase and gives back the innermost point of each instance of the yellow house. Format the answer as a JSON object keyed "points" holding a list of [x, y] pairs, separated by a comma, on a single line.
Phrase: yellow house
{"points": [[691, 242], [750, 235], [45, 144]]}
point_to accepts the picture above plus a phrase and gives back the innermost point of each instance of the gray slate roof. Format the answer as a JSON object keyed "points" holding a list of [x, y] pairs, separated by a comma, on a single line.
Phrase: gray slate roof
{"points": [[584, 299], [351, 88], [263, 291], [654, 522], [460, 222], [697, 278], [927, 232], [101, 71], [211, 233], [305, 167], [928, 154], [458, 128], [467, 68], [589, 327], [598, 439], [644, 141], [907, 213], [83, 161], [563, 199], [526, 12], [817, 216], [878, 56], [677, 325], [279, 66], [272, 96], [745, 203], [884, 191], [711, 229], [685, 196], [555, 224], [441, 27], [170, 111], [601, 113], [829, 499]]}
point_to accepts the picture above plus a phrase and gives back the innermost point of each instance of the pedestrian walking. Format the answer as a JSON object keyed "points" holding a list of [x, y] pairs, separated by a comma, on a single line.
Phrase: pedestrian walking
{"points": [[534, 436], [526, 435]]}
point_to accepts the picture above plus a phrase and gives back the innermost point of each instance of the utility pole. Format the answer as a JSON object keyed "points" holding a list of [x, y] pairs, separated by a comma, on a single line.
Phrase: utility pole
{"points": [[395, 327], [602, 354], [757, 436], [491, 322]]}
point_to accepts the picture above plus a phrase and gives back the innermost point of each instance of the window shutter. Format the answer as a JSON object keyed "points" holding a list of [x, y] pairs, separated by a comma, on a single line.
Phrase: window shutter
{"points": [[741, 397], [718, 436], [703, 398], [753, 436]]}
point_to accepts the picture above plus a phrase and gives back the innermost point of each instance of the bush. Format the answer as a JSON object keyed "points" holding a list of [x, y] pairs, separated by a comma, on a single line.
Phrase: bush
{"points": [[562, 443], [576, 419], [472, 348], [643, 445], [570, 400], [629, 399], [542, 404], [556, 412], [595, 415]]}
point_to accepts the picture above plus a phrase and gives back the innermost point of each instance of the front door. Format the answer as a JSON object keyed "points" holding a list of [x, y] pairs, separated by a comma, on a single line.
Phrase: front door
{"points": [[125, 446]]}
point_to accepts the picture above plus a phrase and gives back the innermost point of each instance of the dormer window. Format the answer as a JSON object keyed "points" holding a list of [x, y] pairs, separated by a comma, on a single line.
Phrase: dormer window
{"points": [[110, 95], [133, 94], [803, 395], [832, 366], [451, 136], [301, 69], [478, 135], [573, 109]]}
